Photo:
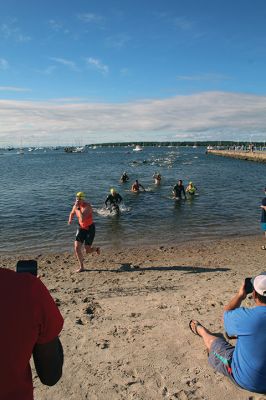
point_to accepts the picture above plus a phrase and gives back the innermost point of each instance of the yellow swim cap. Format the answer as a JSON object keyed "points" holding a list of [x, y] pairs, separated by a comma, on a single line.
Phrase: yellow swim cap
{"points": [[112, 191], [80, 195]]}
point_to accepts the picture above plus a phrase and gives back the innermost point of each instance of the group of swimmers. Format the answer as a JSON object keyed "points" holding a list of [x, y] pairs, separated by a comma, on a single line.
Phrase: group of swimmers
{"points": [[114, 198], [178, 189]]}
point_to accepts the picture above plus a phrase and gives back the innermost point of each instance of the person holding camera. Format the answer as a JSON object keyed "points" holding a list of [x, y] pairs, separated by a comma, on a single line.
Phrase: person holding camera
{"points": [[244, 363], [86, 230], [30, 325]]}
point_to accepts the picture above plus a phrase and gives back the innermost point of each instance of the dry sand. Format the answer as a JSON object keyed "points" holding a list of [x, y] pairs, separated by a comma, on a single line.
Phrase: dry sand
{"points": [[126, 332]]}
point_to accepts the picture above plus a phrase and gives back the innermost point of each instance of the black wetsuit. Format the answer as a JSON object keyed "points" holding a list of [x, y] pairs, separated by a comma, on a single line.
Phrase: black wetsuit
{"points": [[114, 200], [124, 178], [178, 190]]}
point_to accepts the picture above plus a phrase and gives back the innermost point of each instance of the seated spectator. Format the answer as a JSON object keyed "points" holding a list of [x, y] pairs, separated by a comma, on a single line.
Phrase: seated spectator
{"points": [[30, 324], [244, 364]]}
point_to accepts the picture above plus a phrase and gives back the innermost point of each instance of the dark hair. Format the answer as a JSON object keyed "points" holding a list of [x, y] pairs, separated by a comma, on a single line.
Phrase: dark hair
{"points": [[261, 298]]}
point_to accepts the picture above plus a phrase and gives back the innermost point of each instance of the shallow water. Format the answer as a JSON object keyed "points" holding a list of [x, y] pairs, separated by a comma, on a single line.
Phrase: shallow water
{"points": [[38, 190]]}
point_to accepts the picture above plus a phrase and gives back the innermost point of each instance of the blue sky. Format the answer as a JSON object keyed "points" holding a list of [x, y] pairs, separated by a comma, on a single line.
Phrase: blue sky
{"points": [[113, 70]]}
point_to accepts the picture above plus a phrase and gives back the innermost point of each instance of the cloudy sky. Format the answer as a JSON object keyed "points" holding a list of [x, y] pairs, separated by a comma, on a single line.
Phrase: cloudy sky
{"points": [[90, 71]]}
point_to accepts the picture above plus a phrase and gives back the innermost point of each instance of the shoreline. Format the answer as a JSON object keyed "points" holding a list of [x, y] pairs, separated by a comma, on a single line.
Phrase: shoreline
{"points": [[181, 242], [126, 333]]}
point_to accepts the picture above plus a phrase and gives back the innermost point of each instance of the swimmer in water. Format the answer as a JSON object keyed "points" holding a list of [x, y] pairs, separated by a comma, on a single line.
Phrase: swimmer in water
{"points": [[157, 178], [178, 190], [191, 189], [114, 199], [124, 177], [136, 187]]}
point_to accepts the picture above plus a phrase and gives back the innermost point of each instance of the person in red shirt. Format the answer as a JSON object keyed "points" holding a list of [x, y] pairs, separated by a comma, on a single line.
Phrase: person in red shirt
{"points": [[86, 229], [30, 325]]}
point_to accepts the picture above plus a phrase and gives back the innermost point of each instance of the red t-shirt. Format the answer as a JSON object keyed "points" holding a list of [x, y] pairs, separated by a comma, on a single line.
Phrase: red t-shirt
{"points": [[29, 315]]}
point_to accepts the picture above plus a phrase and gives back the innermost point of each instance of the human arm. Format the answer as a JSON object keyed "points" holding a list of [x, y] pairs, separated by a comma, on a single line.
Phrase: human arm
{"points": [[106, 201], [233, 314], [47, 351], [71, 215], [263, 204], [184, 193], [48, 360], [236, 301]]}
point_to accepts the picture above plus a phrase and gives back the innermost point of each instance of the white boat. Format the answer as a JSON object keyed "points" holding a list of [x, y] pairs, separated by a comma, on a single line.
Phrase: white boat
{"points": [[79, 149], [138, 148]]}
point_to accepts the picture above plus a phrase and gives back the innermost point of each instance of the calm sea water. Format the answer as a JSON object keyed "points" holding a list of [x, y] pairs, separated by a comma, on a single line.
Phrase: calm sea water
{"points": [[38, 190]]}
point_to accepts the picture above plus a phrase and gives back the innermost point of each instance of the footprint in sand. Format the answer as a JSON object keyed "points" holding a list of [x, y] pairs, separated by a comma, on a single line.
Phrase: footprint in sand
{"points": [[103, 344]]}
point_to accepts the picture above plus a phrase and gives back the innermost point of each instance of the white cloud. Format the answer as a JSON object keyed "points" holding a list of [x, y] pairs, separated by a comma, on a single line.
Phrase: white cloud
{"points": [[125, 72], [67, 63], [55, 25], [10, 30], [203, 77], [98, 65], [49, 70], [13, 89], [205, 116], [183, 23], [91, 18], [117, 41], [3, 64]]}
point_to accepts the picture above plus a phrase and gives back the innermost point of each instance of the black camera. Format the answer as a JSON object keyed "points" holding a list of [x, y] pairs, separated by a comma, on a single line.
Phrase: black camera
{"points": [[248, 285], [29, 266]]}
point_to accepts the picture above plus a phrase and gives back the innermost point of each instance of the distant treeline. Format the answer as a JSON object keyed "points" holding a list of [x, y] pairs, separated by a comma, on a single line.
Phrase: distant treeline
{"points": [[156, 144]]}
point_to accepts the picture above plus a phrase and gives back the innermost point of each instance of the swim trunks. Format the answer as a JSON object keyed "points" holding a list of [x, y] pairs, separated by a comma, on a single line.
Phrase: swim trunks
{"points": [[86, 235]]}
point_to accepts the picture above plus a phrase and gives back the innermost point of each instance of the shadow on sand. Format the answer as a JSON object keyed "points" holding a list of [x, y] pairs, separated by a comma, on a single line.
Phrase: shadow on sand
{"points": [[128, 267]]}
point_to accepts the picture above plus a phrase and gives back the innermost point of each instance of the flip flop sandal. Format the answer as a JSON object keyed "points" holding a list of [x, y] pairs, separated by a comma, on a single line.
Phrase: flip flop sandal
{"points": [[194, 330]]}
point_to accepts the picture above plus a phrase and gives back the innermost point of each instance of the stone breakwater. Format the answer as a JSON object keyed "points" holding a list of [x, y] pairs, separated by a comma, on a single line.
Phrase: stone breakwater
{"points": [[259, 156]]}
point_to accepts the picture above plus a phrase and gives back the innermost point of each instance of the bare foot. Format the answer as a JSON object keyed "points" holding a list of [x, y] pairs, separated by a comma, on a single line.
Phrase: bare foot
{"points": [[98, 250]]}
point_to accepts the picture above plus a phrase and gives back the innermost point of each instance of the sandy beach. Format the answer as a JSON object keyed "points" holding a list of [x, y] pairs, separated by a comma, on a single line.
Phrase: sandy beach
{"points": [[126, 332]]}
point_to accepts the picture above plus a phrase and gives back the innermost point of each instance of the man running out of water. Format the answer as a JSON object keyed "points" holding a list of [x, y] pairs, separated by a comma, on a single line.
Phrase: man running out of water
{"points": [[136, 187], [86, 230], [178, 190], [114, 199]]}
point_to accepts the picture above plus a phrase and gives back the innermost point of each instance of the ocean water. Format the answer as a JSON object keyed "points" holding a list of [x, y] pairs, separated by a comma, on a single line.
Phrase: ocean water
{"points": [[38, 190]]}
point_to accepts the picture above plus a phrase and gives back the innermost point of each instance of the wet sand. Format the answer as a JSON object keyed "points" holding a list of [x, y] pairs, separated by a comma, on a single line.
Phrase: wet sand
{"points": [[126, 332]]}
